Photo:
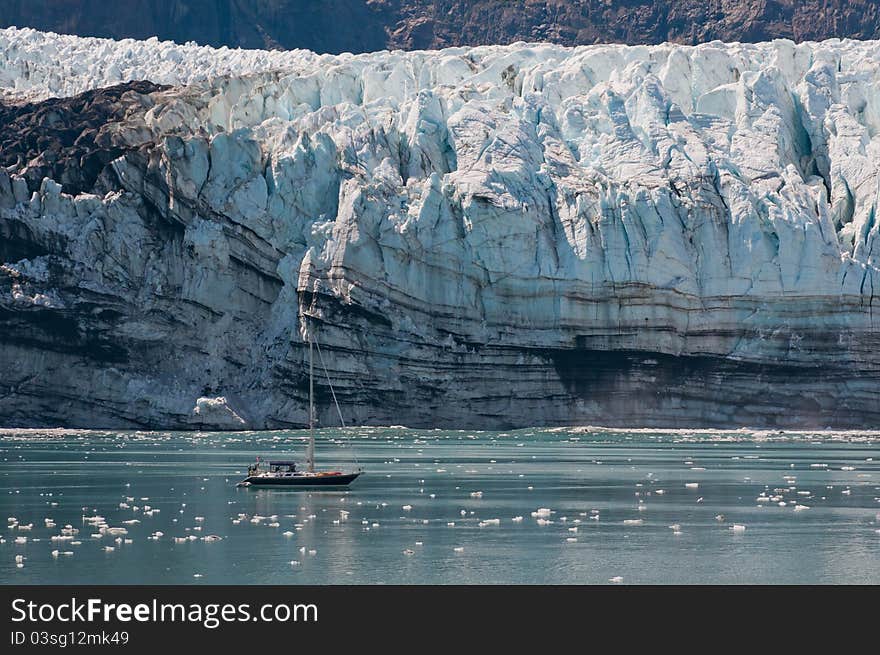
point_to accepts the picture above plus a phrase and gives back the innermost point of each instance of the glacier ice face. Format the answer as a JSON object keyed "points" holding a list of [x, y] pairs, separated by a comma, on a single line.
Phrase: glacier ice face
{"points": [[491, 236]]}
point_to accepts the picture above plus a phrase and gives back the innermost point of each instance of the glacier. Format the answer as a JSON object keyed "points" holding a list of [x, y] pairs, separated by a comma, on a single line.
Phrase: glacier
{"points": [[487, 237]]}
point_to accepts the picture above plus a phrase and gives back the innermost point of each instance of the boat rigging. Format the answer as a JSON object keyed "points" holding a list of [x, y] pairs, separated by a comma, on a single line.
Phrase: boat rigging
{"points": [[283, 473]]}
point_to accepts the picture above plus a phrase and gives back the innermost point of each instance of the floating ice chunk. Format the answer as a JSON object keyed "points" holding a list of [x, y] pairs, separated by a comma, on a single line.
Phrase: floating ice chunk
{"points": [[737, 527], [517, 519], [617, 579], [633, 521], [691, 485], [458, 549], [801, 508], [407, 508], [476, 494]]}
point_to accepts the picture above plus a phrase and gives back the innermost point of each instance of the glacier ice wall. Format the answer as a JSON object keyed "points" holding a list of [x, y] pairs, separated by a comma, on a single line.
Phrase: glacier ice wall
{"points": [[485, 237]]}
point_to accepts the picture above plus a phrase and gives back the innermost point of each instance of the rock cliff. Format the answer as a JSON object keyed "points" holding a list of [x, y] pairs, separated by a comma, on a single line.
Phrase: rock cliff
{"points": [[482, 237]]}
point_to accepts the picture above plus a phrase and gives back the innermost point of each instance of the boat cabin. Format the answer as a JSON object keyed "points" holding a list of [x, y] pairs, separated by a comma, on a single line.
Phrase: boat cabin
{"points": [[279, 467], [282, 467]]}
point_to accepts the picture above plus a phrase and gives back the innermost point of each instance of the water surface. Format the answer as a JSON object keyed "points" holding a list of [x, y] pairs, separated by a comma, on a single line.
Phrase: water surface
{"points": [[425, 511]]}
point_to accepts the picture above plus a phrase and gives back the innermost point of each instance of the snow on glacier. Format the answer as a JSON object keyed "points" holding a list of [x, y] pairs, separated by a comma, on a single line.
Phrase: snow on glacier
{"points": [[772, 125], [716, 199]]}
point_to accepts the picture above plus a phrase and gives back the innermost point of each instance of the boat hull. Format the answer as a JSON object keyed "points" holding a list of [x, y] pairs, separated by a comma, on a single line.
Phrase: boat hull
{"points": [[341, 480]]}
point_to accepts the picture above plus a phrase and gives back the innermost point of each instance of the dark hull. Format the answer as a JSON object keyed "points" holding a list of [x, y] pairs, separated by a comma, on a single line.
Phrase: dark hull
{"points": [[304, 481]]}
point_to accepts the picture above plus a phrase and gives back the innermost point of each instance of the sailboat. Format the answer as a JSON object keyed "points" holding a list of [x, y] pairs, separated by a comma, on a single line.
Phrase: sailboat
{"points": [[283, 473]]}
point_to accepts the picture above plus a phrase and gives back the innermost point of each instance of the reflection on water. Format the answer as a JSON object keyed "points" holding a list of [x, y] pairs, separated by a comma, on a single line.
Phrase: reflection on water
{"points": [[647, 506]]}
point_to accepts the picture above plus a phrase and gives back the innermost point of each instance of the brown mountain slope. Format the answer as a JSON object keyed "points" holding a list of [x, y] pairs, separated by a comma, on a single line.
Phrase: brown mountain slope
{"points": [[365, 25]]}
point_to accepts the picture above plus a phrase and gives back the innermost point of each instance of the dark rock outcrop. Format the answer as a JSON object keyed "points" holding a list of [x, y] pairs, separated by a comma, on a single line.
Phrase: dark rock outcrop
{"points": [[71, 140]]}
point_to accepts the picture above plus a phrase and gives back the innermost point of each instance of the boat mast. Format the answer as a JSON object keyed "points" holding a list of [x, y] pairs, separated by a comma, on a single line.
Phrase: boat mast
{"points": [[310, 454]]}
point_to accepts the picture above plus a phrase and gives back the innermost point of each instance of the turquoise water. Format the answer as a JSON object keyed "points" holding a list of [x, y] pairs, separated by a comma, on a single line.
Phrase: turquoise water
{"points": [[188, 482]]}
